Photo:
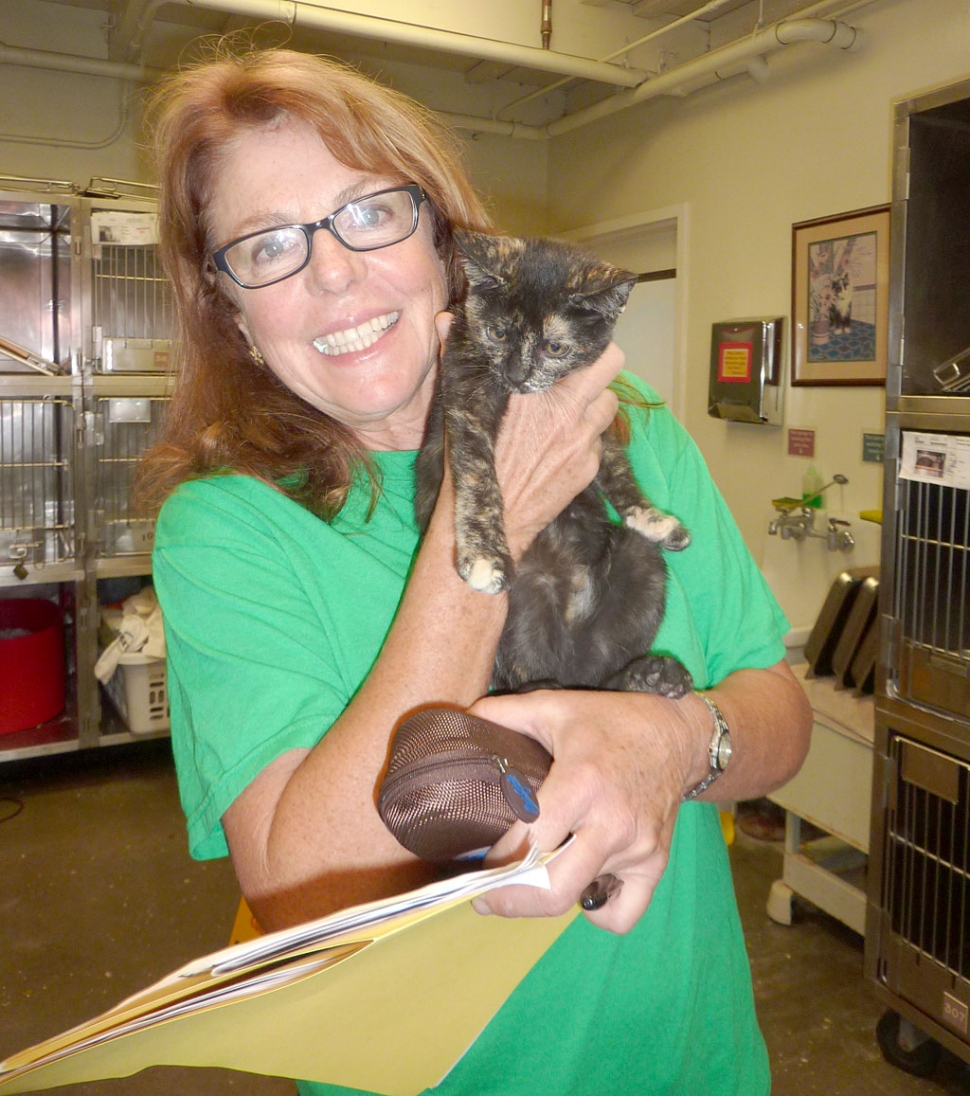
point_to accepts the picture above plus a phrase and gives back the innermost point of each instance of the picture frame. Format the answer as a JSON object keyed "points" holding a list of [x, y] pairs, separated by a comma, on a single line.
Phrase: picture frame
{"points": [[840, 298]]}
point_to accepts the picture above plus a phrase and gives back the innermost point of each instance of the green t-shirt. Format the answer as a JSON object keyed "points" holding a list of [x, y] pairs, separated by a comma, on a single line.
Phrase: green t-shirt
{"points": [[273, 619]]}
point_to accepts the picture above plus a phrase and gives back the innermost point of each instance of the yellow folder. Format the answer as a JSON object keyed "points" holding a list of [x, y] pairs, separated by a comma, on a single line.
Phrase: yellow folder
{"points": [[385, 997]]}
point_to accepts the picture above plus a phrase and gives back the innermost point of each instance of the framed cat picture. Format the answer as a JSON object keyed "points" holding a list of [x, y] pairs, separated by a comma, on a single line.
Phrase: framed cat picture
{"points": [[840, 299]]}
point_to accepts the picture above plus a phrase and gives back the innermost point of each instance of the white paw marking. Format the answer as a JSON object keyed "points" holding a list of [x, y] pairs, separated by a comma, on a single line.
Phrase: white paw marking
{"points": [[486, 576], [652, 524]]}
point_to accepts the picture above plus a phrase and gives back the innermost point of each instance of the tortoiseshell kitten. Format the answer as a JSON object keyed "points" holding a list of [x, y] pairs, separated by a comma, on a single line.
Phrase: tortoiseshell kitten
{"points": [[587, 598]]}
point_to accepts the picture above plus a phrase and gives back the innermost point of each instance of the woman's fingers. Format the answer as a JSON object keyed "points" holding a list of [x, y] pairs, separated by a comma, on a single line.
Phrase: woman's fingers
{"points": [[614, 788], [549, 446]]}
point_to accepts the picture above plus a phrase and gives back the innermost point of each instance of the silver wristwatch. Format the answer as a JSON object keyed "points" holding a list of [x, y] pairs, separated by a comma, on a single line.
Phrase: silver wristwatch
{"points": [[718, 752]]}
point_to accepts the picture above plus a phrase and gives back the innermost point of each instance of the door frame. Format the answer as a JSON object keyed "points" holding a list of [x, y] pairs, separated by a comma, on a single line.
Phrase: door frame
{"points": [[678, 216]]}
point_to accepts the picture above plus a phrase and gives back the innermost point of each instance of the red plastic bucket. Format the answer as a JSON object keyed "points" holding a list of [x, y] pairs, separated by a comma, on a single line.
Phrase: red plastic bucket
{"points": [[31, 663]]}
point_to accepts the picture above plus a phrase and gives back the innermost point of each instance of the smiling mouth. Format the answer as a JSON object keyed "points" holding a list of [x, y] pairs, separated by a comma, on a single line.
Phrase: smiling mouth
{"points": [[356, 338]]}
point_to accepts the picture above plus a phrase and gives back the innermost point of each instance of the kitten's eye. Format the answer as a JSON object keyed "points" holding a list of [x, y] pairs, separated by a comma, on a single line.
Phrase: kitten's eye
{"points": [[496, 333], [556, 349]]}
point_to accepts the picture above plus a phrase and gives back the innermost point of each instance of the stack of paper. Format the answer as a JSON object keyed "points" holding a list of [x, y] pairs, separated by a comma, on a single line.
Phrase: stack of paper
{"points": [[385, 997]]}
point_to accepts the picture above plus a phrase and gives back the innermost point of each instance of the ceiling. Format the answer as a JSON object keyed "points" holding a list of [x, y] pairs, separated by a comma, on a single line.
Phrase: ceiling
{"points": [[489, 63]]}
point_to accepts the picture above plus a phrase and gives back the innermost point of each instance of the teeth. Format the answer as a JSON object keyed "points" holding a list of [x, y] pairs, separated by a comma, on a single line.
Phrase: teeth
{"points": [[356, 338]]}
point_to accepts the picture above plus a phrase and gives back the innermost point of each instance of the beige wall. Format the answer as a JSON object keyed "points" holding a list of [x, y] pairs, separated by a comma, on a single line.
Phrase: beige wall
{"points": [[64, 126], [750, 161]]}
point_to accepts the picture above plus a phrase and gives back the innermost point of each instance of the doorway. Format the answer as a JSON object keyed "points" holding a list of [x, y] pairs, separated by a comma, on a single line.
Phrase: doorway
{"points": [[651, 330]]}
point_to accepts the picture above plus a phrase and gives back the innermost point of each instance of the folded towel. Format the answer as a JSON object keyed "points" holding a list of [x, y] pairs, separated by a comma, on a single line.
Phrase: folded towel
{"points": [[141, 632]]}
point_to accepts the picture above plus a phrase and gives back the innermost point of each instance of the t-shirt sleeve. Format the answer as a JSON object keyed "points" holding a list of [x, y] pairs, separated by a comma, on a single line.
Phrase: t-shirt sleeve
{"points": [[250, 673]]}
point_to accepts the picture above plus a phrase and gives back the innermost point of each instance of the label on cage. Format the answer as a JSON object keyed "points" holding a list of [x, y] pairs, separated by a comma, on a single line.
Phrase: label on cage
{"points": [[128, 229], [955, 1013], [936, 458], [134, 355], [131, 409]]}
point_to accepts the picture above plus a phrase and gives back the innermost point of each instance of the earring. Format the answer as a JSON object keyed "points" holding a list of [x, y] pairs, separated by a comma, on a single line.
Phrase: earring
{"points": [[256, 355]]}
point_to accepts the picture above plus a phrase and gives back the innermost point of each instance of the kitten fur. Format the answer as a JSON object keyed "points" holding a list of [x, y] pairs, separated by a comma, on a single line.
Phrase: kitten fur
{"points": [[587, 597]]}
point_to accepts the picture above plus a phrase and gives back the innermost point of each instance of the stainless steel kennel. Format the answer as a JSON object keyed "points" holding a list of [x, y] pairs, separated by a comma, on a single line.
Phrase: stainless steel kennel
{"points": [[918, 915], [85, 321]]}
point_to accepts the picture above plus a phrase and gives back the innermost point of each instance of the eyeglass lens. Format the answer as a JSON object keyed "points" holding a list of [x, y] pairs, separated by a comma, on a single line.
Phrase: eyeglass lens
{"points": [[377, 220]]}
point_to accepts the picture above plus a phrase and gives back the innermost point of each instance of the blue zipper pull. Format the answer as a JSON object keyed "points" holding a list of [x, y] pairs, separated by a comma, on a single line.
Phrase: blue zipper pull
{"points": [[517, 792]]}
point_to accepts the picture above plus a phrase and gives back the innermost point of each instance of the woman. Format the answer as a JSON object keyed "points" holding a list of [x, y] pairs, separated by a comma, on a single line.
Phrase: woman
{"points": [[306, 219]]}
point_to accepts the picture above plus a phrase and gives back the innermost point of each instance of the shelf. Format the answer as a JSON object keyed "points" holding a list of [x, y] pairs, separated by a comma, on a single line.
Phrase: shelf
{"points": [[832, 792], [39, 575], [826, 872], [122, 566], [34, 385], [132, 384], [57, 736]]}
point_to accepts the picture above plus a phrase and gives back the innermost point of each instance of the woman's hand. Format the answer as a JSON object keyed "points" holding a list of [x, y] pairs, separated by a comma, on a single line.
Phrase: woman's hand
{"points": [[549, 446], [622, 762]]}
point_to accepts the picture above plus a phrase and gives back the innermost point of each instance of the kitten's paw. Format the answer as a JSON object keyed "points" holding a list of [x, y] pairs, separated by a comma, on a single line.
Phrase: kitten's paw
{"points": [[488, 576], [659, 674], [658, 527]]}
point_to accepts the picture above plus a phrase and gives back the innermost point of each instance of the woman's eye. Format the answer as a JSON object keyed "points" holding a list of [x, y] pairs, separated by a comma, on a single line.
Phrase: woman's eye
{"points": [[369, 215], [556, 349], [496, 333], [272, 247]]}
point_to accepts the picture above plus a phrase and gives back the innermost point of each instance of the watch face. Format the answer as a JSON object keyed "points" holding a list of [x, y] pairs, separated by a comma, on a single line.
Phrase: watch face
{"points": [[724, 751]]}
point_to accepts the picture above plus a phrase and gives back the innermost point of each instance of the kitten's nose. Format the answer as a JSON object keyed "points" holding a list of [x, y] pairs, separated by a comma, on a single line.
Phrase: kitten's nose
{"points": [[517, 369]]}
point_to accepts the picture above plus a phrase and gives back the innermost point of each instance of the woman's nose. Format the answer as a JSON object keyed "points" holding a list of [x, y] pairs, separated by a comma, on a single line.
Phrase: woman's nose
{"points": [[333, 268]]}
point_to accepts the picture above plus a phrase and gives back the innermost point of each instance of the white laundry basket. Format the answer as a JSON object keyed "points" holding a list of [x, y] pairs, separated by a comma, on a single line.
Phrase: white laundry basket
{"points": [[138, 689]]}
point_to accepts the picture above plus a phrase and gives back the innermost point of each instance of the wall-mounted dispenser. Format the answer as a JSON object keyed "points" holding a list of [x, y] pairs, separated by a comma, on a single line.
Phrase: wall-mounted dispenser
{"points": [[746, 371]]}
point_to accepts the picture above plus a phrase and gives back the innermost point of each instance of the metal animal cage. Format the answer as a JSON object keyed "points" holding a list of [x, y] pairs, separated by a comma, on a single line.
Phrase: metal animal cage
{"points": [[37, 449], [85, 322], [918, 913], [131, 301], [124, 428], [35, 287], [932, 596], [925, 953]]}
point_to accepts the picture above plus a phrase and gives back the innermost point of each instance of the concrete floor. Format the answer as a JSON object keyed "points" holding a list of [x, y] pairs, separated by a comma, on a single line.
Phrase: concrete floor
{"points": [[98, 898]]}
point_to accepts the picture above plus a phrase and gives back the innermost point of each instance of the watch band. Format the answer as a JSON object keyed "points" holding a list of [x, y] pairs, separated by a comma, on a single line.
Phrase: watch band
{"points": [[715, 750]]}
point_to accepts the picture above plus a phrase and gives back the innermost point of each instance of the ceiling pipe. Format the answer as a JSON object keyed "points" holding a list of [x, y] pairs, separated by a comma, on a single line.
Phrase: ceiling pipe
{"points": [[127, 37], [65, 62], [744, 55], [716, 65], [707, 9], [493, 126]]}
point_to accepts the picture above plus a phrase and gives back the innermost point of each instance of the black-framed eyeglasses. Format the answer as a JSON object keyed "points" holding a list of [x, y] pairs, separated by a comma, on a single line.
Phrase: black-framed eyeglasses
{"points": [[365, 224]]}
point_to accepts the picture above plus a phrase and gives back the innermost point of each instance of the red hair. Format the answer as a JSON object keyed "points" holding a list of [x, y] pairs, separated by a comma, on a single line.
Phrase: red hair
{"points": [[227, 412]]}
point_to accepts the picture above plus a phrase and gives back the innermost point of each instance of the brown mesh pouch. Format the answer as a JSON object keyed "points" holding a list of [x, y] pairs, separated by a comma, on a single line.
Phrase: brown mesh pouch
{"points": [[456, 783]]}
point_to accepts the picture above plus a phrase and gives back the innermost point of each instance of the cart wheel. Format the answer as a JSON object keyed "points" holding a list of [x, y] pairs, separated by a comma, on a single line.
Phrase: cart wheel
{"points": [[780, 902], [906, 1046]]}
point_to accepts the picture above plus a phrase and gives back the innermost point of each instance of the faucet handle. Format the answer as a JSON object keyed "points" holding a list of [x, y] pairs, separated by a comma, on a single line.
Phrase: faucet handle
{"points": [[839, 536]]}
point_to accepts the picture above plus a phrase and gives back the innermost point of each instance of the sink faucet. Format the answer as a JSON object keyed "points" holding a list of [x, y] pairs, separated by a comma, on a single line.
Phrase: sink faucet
{"points": [[794, 523], [798, 522]]}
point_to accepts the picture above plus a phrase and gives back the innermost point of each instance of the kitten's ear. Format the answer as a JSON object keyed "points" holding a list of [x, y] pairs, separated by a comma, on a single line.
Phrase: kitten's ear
{"points": [[483, 256], [606, 292]]}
